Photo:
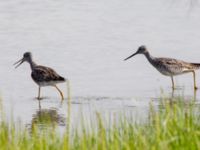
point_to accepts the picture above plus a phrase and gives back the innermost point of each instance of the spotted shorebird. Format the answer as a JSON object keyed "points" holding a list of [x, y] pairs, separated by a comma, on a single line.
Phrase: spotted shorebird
{"points": [[168, 66], [43, 76]]}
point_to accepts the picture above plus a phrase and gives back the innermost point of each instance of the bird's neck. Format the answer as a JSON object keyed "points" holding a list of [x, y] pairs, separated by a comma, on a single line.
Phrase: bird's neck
{"points": [[32, 64], [149, 57]]}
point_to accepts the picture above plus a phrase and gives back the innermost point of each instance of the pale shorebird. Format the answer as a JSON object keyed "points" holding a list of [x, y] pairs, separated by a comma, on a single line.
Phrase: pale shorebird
{"points": [[43, 76], [168, 66]]}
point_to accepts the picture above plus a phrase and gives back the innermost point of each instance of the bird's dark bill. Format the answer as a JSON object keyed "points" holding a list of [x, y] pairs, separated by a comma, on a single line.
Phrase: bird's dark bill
{"points": [[18, 63], [131, 56]]}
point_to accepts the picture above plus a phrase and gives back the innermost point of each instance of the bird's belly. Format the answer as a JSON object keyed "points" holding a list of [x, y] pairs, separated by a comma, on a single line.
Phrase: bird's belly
{"points": [[48, 83], [166, 73], [170, 71]]}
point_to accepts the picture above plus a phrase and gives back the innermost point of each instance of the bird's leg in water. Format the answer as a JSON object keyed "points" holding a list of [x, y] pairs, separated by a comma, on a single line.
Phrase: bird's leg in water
{"points": [[173, 87], [61, 94], [39, 94], [194, 77]]}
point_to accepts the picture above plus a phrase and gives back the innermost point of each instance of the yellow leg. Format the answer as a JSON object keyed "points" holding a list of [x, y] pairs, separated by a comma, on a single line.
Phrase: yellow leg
{"points": [[39, 93], [61, 94], [173, 87], [195, 95], [194, 77]]}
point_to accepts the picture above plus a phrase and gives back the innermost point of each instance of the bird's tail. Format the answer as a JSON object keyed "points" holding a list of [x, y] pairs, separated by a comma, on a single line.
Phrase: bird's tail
{"points": [[61, 79], [196, 65]]}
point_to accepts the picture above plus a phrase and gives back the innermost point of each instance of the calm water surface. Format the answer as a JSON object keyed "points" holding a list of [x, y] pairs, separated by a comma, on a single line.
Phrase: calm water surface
{"points": [[86, 42]]}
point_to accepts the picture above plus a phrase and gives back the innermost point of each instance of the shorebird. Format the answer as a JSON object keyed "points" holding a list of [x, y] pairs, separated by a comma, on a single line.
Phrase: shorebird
{"points": [[169, 66], [43, 76]]}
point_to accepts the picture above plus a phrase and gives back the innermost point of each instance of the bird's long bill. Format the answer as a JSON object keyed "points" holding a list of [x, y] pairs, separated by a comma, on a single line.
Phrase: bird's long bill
{"points": [[18, 63], [131, 56]]}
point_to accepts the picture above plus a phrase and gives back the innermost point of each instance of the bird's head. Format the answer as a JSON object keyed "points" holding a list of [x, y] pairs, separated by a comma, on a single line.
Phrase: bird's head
{"points": [[141, 50], [26, 57]]}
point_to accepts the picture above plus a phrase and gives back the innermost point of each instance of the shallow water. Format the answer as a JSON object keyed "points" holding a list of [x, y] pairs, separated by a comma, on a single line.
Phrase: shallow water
{"points": [[86, 42]]}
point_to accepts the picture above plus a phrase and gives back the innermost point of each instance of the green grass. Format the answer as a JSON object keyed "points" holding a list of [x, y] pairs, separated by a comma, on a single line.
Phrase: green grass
{"points": [[174, 126]]}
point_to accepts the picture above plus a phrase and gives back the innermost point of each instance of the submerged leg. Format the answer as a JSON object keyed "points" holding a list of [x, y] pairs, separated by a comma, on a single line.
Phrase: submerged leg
{"points": [[39, 105], [173, 87], [194, 77], [61, 94], [39, 94]]}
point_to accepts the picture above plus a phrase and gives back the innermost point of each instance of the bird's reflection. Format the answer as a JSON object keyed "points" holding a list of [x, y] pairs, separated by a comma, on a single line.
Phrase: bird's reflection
{"points": [[177, 96], [46, 118]]}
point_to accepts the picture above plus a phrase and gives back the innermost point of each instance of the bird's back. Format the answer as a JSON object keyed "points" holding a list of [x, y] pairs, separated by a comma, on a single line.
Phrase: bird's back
{"points": [[45, 76], [170, 66]]}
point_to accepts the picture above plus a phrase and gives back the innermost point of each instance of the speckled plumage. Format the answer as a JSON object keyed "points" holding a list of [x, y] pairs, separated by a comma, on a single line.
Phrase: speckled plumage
{"points": [[172, 67], [43, 76], [169, 66]]}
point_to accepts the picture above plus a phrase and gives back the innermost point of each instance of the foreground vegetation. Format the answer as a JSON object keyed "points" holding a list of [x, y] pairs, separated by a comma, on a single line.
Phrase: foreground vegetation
{"points": [[175, 125]]}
